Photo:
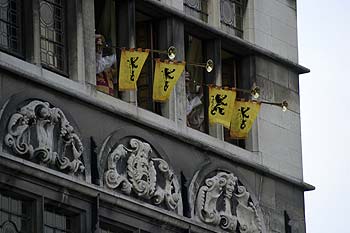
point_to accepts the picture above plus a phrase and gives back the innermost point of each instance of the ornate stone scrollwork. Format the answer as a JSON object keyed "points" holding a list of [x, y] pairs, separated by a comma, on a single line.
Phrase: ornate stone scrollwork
{"points": [[222, 201], [135, 171], [43, 134]]}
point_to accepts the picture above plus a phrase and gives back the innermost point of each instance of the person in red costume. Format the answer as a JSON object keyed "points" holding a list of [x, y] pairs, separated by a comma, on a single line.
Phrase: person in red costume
{"points": [[105, 71]]}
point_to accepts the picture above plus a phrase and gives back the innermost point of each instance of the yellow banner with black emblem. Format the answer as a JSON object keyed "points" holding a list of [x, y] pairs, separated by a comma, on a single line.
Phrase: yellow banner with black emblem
{"points": [[131, 63], [221, 103], [166, 75], [245, 113]]}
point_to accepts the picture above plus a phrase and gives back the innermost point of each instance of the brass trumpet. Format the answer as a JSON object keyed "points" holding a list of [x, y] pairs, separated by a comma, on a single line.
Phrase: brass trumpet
{"points": [[171, 52], [283, 105], [209, 65], [254, 91]]}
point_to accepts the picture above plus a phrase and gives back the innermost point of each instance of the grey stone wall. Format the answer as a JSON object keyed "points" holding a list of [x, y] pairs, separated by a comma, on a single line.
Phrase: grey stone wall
{"points": [[279, 136], [272, 24], [272, 195]]}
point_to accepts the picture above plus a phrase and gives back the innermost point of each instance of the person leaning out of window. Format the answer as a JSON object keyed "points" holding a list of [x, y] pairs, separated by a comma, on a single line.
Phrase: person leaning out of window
{"points": [[194, 108], [105, 67]]}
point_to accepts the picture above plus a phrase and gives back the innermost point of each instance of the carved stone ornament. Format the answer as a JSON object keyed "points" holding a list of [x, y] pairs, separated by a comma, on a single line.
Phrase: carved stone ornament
{"points": [[222, 202], [134, 171], [9, 227], [43, 134]]}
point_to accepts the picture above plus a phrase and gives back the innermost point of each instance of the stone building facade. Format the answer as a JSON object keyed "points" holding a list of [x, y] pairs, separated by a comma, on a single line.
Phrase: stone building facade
{"points": [[74, 159]]}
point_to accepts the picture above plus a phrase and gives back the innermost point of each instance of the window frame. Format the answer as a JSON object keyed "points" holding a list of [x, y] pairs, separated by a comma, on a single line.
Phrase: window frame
{"points": [[231, 25], [204, 83], [200, 11], [153, 31], [236, 82], [22, 15], [65, 71], [30, 200], [63, 210]]}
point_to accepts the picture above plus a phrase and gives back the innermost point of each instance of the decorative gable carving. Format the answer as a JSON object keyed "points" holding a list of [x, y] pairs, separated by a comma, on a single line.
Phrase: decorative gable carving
{"points": [[223, 202], [42, 134], [135, 170]]}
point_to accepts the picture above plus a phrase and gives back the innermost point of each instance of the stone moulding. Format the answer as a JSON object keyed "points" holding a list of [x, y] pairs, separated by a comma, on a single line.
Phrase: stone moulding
{"points": [[41, 133], [135, 171], [223, 202]]}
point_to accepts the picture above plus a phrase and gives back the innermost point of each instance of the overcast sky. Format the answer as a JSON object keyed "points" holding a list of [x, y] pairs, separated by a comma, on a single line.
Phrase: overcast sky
{"points": [[324, 47]]}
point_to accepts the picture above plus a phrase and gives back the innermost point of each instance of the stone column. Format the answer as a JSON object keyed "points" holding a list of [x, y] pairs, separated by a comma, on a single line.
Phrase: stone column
{"points": [[172, 34], [127, 36], [214, 13]]}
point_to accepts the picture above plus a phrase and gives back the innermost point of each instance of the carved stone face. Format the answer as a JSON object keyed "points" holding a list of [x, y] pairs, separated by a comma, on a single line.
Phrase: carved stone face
{"points": [[100, 41], [230, 186], [215, 205], [44, 112]]}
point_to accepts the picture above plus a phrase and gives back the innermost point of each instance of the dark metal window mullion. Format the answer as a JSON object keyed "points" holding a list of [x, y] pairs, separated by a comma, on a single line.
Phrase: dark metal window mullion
{"points": [[18, 28], [231, 26], [53, 42], [14, 214], [65, 35], [9, 22]]}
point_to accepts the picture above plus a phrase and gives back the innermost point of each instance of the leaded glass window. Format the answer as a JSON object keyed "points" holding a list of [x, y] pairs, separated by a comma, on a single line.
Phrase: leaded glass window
{"points": [[57, 220], [197, 8], [232, 16], [11, 26], [53, 34], [14, 215], [109, 228]]}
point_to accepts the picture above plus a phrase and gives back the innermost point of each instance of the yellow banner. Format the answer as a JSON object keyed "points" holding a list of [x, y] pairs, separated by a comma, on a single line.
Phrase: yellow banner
{"points": [[131, 63], [221, 102], [243, 118], [166, 75]]}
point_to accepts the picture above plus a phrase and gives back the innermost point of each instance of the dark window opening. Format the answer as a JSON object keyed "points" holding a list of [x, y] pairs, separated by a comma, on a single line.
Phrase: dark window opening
{"points": [[115, 228], [11, 26], [60, 220], [287, 226], [230, 74], [106, 30], [194, 78], [147, 38], [15, 213], [53, 35]]}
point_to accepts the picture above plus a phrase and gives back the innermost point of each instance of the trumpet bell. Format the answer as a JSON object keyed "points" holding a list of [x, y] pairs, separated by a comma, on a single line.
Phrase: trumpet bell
{"points": [[255, 92], [284, 106], [209, 66], [171, 52]]}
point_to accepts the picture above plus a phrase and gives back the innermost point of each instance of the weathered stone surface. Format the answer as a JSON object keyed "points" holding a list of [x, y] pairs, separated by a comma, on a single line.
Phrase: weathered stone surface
{"points": [[135, 169], [293, 81], [41, 133], [223, 202], [278, 74]]}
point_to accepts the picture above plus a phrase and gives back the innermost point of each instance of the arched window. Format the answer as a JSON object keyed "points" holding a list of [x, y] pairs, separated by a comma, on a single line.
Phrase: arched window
{"points": [[53, 34]]}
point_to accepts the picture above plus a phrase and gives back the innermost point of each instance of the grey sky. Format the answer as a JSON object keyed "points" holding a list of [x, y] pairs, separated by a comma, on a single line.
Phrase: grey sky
{"points": [[324, 47]]}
